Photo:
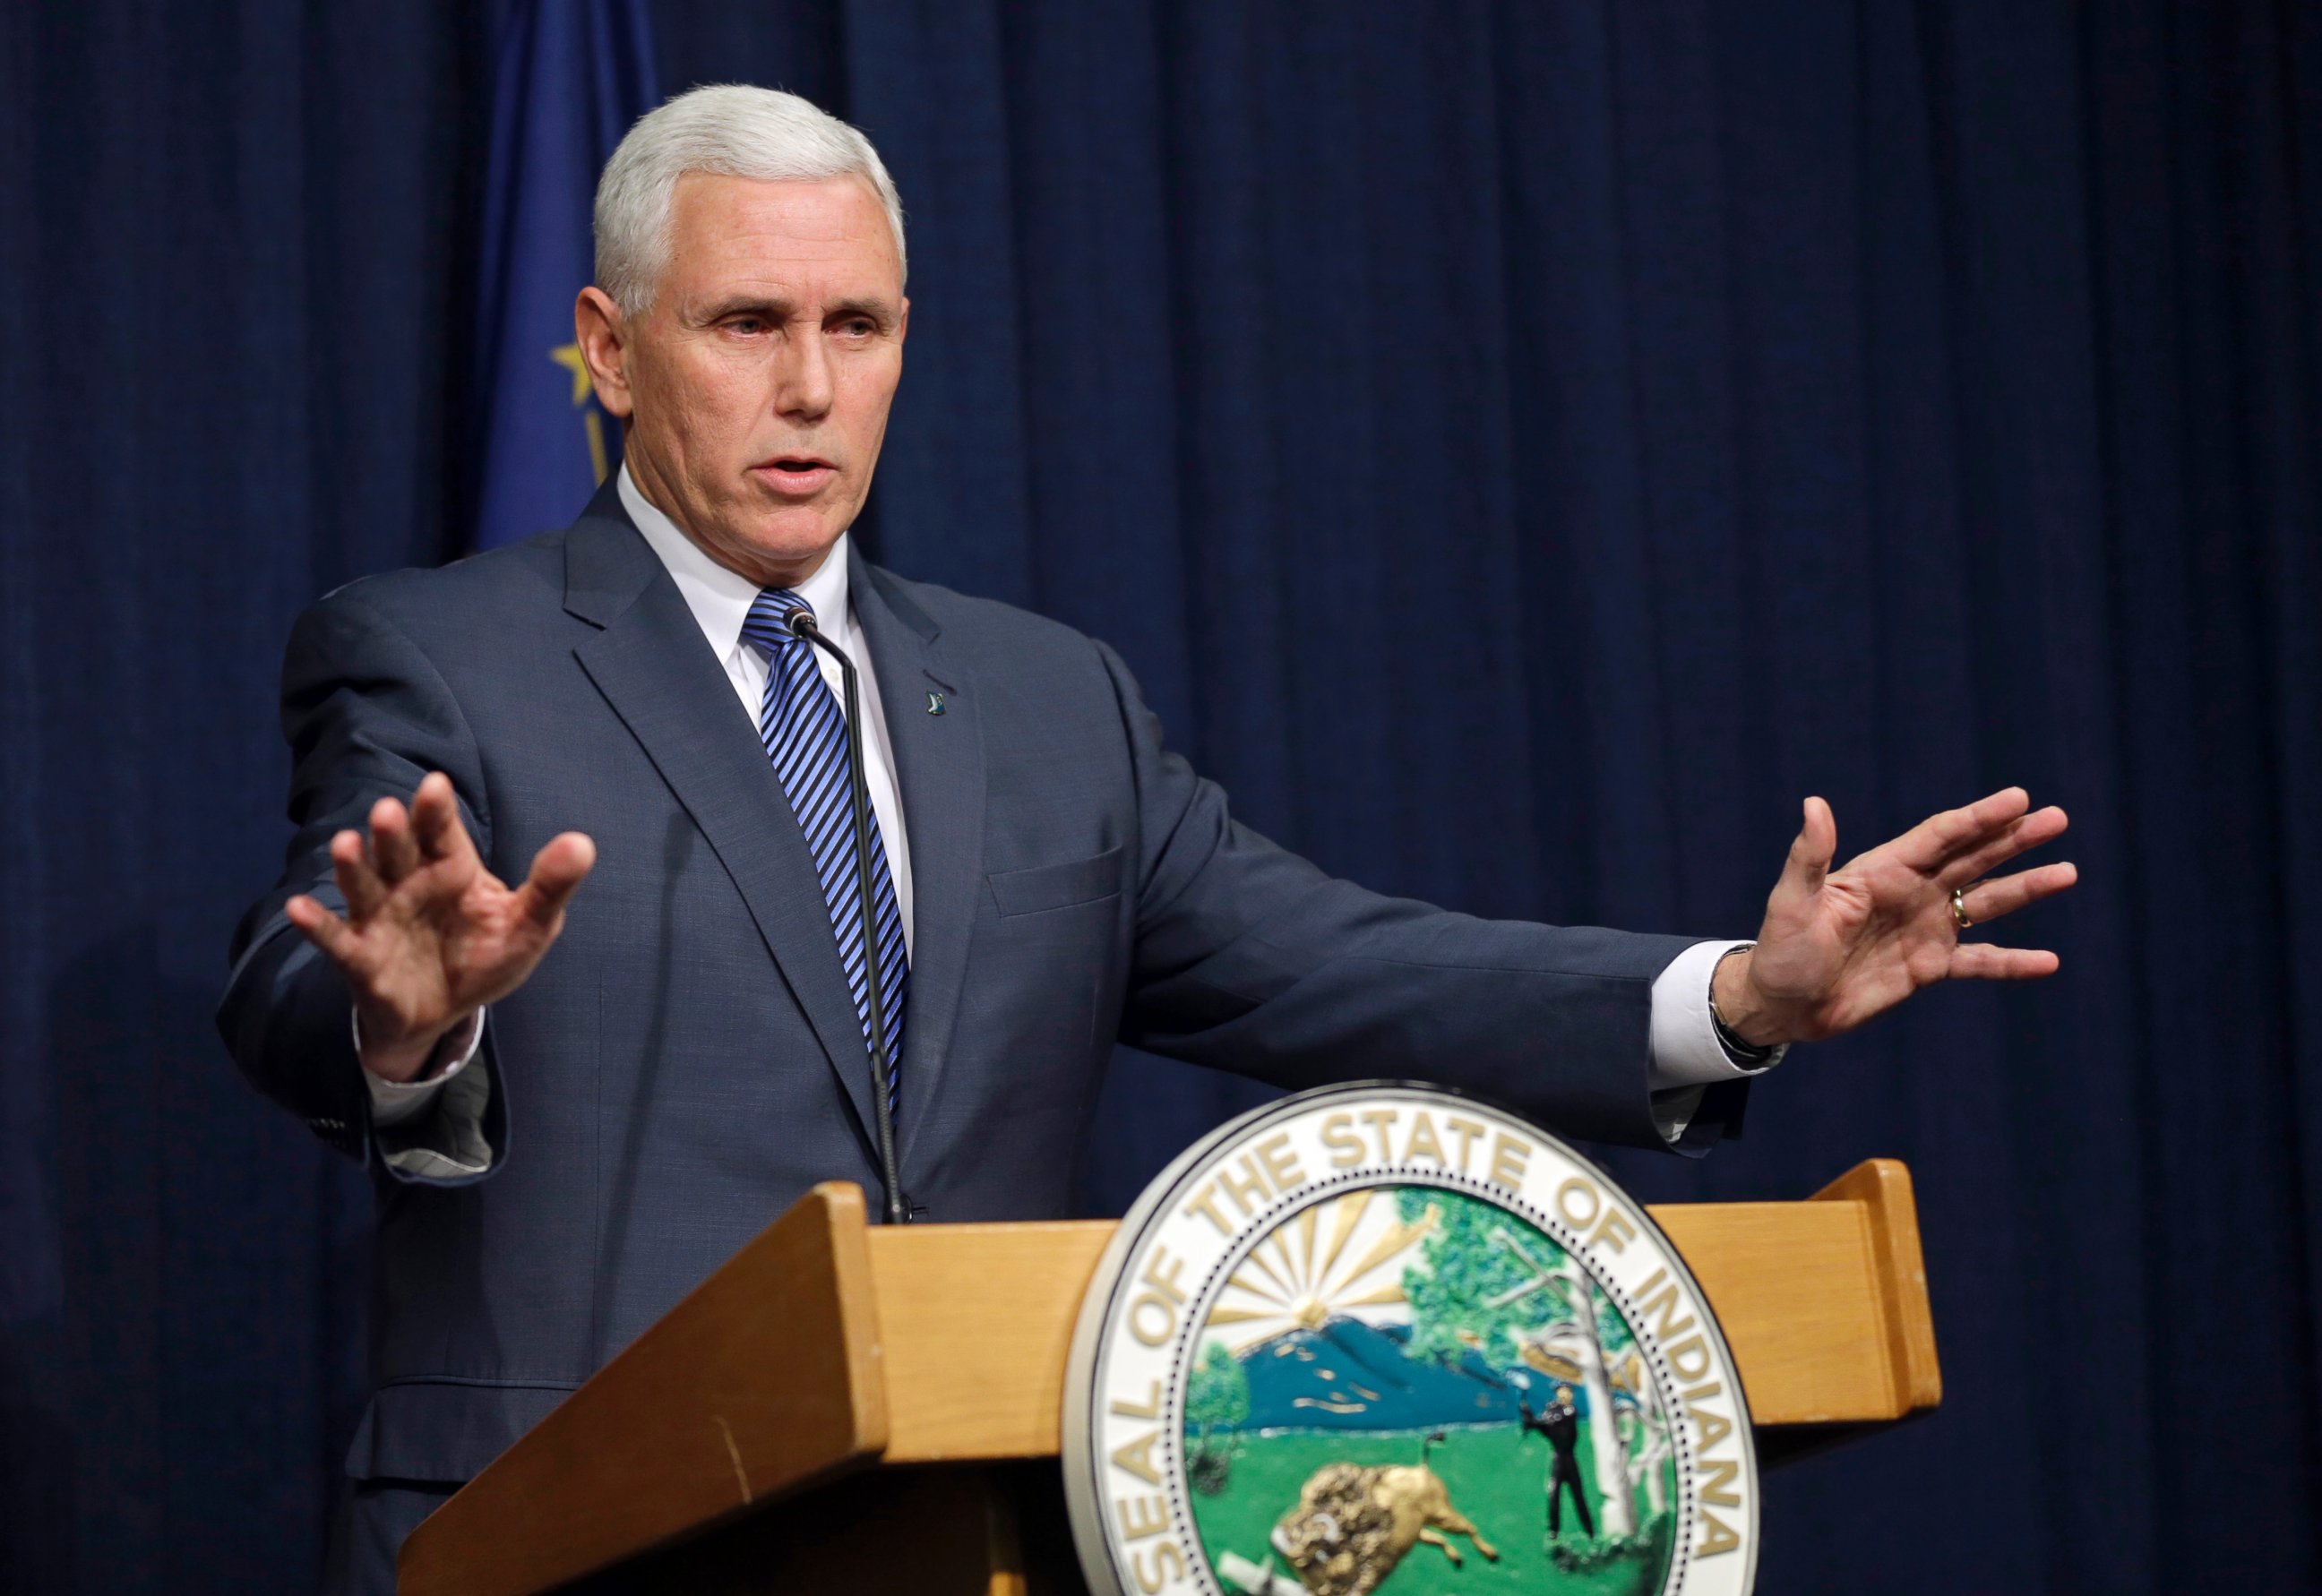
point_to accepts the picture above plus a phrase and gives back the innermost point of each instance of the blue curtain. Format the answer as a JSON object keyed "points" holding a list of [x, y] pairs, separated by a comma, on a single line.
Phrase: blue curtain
{"points": [[1524, 449]]}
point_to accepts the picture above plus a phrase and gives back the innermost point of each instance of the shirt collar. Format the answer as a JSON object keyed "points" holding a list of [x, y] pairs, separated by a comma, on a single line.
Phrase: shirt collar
{"points": [[720, 598]]}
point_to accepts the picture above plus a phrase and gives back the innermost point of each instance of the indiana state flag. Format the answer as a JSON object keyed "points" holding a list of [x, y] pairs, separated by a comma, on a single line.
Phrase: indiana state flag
{"points": [[570, 76]]}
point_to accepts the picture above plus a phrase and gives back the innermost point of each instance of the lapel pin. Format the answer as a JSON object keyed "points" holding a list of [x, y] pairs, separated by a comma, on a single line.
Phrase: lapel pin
{"points": [[935, 703]]}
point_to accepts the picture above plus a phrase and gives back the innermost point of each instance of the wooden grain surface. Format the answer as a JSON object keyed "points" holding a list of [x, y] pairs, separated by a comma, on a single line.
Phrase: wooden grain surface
{"points": [[941, 1531], [1792, 1286], [998, 1300], [1823, 1303], [763, 1379], [824, 1345], [1883, 1187]]}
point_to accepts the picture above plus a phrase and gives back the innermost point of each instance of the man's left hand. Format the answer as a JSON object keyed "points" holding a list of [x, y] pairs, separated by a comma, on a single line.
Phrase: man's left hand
{"points": [[1840, 947]]}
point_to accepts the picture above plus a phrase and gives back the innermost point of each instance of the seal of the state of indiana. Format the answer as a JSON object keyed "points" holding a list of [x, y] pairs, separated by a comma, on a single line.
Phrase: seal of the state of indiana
{"points": [[1387, 1337]]}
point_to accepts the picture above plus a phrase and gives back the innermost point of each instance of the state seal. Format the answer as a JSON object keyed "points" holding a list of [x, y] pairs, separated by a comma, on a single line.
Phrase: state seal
{"points": [[1390, 1338]]}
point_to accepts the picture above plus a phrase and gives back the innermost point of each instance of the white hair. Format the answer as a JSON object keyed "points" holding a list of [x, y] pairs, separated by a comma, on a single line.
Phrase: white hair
{"points": [[731, 129]]}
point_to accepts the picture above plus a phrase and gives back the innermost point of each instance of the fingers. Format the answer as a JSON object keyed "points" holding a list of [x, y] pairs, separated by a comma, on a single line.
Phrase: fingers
{"points": [[1988, 900], [1939, 838], [359, 882], [1821, 837], [1815, 845], [435, 820], [2018, 837], [1980, 961], [401, 842], [325, 929], [394, 852], [557, 871]]}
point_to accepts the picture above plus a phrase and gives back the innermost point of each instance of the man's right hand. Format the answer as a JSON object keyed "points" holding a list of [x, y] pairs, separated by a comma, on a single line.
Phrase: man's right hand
{"points": [[430, 935]]}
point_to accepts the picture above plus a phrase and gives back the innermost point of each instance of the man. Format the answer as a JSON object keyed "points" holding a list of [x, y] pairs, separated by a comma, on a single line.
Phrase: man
{"points": [[1559, 1421], [563, 1144]]}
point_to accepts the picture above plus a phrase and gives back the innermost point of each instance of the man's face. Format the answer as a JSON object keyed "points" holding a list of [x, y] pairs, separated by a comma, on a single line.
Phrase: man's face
{"points": [[756, 385]]}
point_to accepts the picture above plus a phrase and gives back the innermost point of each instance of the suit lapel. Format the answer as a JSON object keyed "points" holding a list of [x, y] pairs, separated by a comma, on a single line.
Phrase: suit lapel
{"points": [[939, 769], [654, 668]]}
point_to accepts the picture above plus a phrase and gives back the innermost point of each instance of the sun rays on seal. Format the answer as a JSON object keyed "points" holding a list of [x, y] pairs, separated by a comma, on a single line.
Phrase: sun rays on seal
{"points": [[1331, 1259]]}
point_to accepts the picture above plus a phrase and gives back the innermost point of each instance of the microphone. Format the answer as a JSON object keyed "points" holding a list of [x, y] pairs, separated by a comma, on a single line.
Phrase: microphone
{"points": [[898, 1208]]}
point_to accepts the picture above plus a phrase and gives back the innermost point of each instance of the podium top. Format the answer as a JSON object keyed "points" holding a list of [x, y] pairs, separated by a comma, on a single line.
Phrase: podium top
{"points": [[828, 1345]]}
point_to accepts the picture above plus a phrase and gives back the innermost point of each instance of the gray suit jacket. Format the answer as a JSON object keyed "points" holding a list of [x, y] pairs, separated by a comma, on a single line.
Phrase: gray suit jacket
{"points": [[687, 1060]]}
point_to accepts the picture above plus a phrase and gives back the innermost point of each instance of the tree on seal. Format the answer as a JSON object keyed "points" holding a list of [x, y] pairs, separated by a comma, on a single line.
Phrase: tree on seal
{"points": [[1217, 1398]]}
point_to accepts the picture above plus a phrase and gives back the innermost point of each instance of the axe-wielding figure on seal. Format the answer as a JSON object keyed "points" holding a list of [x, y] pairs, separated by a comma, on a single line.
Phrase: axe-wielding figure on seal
{"points": [[1559, 1421]]}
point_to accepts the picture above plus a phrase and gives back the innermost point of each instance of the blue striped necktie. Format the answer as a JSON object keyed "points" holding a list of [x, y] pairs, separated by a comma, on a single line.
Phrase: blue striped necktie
{"points": [[805, 734]]}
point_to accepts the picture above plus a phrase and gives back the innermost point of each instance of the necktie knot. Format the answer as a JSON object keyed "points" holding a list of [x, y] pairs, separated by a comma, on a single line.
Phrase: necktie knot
{"points": [[767, 627]]}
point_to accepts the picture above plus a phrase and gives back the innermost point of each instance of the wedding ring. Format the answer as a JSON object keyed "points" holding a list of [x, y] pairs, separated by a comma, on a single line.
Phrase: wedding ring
{"points": [[1959, 908]]}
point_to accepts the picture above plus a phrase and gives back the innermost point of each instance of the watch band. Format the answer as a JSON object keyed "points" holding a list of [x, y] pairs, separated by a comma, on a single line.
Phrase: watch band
{"points": [[1740, 1052]]}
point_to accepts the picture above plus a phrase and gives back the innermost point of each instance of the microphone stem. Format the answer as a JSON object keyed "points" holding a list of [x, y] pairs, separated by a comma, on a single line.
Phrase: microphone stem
{"points": [[898, 1208]]}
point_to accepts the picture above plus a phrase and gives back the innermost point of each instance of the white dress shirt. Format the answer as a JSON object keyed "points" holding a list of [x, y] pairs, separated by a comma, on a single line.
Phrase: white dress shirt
{"points": [[1686, 1054], [720, 601]]}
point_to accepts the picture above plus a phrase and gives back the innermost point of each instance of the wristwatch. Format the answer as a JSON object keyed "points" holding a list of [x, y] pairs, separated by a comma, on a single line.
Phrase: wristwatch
{"points": [[1742, 1052]]}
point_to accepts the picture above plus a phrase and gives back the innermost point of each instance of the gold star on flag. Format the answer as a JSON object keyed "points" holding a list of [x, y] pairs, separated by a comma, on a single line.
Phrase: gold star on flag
{"points": [[569, 354]]}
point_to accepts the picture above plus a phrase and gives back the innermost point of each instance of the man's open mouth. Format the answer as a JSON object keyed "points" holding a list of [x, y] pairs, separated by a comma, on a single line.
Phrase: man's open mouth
{"points": [[799, 474]]}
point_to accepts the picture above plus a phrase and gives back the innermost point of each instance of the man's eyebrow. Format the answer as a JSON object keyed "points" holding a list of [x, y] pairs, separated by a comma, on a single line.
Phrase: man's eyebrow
{"points": [[758, 304], [879, 310]]}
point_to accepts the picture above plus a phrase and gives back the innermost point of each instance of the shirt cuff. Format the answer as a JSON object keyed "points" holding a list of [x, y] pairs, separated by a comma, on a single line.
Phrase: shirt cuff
{"points": [[1685, 1050], [392, 1103], [1674, 1110]]}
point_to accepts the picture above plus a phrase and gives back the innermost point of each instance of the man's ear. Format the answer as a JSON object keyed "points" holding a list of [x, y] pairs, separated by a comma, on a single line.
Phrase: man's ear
{"points": [[602, 333]]}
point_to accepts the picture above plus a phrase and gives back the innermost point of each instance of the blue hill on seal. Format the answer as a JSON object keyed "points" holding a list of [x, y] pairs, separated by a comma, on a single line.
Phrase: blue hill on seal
{"points": [[1352, 1375]]}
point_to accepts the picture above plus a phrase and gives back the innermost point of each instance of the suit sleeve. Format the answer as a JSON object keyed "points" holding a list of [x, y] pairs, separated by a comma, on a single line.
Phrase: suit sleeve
{"points": [[1249, 958], [367, 714]]}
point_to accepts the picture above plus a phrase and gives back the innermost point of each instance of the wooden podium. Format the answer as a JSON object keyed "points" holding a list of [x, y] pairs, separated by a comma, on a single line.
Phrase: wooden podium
{"points": [[844, 1406]]}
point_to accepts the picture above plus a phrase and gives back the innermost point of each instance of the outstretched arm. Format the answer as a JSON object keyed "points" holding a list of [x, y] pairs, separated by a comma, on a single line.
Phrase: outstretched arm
{"points": [[1249, 958], [389, 910]]}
